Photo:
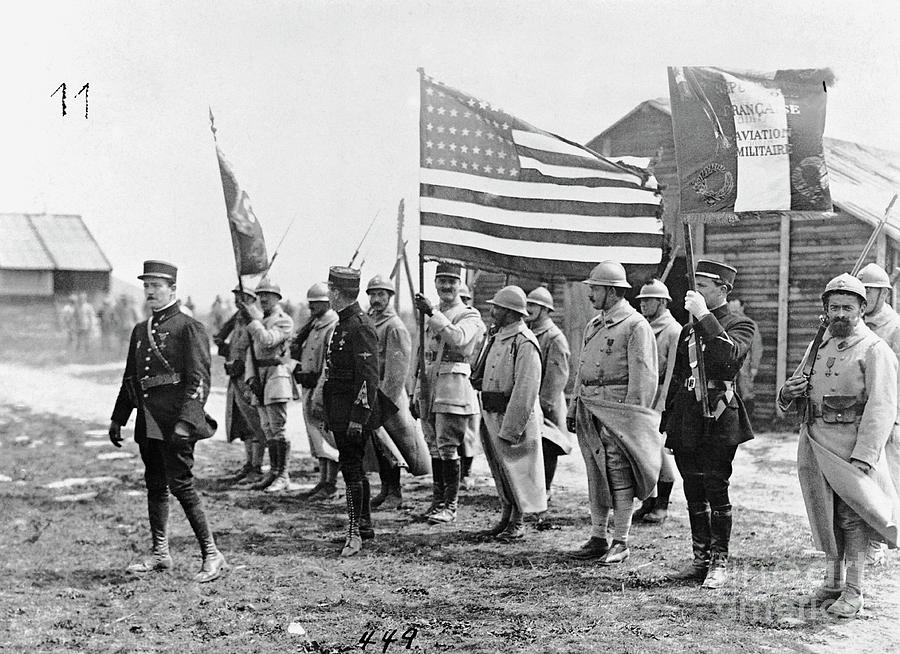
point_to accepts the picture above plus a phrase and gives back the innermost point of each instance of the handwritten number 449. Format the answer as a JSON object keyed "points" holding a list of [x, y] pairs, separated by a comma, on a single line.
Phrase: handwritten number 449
{"points": [[84, 89], [368, 638]]}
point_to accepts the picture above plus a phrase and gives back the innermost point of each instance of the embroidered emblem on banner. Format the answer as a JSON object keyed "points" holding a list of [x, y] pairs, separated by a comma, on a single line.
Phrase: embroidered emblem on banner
{"points": [[713, 173], [810, 178]]}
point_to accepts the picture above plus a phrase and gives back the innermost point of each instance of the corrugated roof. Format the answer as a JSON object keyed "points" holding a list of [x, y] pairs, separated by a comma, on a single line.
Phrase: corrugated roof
{"points": [[862, 178], [49, 242], [20, 246]]}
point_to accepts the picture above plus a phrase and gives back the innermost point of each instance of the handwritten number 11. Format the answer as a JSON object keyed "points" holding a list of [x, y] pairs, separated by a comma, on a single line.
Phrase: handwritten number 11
{"points": [[84, 89]]}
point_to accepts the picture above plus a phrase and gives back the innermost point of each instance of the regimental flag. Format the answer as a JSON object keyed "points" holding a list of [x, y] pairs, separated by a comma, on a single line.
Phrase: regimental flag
{"points": [[499, 194], [250, 255], [750, 141]]}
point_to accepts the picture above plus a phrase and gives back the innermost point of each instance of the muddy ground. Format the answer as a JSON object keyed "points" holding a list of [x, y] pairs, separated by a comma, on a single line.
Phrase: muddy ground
{"points": [[65, 545]]}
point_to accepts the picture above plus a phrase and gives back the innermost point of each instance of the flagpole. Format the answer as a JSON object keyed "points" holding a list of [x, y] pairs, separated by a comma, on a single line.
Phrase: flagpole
{"points": [[703, 393]]}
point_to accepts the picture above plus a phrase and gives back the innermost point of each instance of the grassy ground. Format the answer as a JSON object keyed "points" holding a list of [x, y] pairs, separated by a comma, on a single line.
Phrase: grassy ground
{"points": [[62, 585]]}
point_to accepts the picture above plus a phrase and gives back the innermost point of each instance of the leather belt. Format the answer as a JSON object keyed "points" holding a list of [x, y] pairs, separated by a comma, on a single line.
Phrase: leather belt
{"points": [[447, 357], [605, 382], [159, 380], [268, 363]]}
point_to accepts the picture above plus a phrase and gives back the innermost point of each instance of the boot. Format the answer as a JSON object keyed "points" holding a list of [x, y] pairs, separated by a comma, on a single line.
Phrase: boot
{"points": [[328, 489], [282, 481], [617, 553], [847, 605], [213, 561], [366, 532], [550, 461], [353, 543], [466, 480], [390, 496], [875, 554], [660, 510], [700, 543], [160, 559], [255, 474], [323, 472], [437, 488], [450, 469], [594, 548], [644, 510], [384, 475], [821, 598], [720, 532], [236, 476], [270, 476], [500, 526], [515, 529]]}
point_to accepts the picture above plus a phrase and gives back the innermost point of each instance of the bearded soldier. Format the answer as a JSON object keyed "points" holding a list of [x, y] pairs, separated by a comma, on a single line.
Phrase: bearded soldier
{"points": [[352, 409], [309, 347], [881, 318], [617, 429], [654, 298], [269, 375], [848, 392], [705, 446], [511, 416], [241, 418], [446, 400], [167, 380], [554, 348], [393, 355]]}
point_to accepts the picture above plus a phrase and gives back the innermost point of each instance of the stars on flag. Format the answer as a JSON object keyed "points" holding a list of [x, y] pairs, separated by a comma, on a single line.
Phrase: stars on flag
{"points": [[478, 135]]}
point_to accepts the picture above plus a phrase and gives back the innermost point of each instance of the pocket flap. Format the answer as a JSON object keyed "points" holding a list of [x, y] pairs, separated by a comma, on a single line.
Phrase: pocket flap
{"points": [[839, 402]]}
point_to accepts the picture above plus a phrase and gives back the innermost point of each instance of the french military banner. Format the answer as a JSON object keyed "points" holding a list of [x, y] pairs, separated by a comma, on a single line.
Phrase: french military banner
{"points": [[750, 141], [496, 193]]}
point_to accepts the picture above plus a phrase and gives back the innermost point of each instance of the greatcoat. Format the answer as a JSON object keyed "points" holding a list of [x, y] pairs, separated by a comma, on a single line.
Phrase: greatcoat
{"points": [[310, 358], [554, 377], [512, 437], [240, 416], [886, 323], [666, 331]]}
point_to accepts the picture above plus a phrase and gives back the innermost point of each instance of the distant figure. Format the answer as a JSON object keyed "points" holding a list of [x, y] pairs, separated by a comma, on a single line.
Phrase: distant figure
{"points": [[128, 317], [67, 319], [747, 376], [109, 323], [85, 322], [218, 314], [188, 307]]}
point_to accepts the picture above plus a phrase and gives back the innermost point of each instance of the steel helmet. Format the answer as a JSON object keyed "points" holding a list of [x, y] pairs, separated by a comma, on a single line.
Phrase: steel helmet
{"points": [[512, 298], [266, 285], [379, 283], [245, 291], [845, 283], [608, 273], [464, 292], [654, 289], [542, 297], [874, 276], [318, 292]]}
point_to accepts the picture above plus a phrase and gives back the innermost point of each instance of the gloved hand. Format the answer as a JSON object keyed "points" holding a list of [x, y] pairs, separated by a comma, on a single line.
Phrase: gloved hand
{"points": [[115, 433], [695, 304], [423, 304], [414, 407], [354, 429], [570, 424], [255, 386], [237, 369], [251, 311]]}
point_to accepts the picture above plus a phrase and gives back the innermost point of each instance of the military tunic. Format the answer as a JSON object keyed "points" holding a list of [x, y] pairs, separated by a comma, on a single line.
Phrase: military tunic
{"points": [[512, 437], [311, 361], [271, 339], [554, 376]]}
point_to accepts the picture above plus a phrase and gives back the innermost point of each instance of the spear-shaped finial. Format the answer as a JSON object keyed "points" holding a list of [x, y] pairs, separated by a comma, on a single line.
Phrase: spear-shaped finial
{"points": [[212, 123]]}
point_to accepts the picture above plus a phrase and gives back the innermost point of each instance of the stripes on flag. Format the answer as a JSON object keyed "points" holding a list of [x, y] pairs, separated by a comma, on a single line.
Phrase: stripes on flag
{"points": [[499, 194]]}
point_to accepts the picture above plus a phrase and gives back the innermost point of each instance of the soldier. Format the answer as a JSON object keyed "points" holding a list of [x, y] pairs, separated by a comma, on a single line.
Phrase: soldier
{"points": [[352, 408], [445, 398], [167, 380], [394, 348], [849, 403], [510, 380], [746, 379], [554, 349], [471, 444], [309, 347], [268, 373], [654, 298], [241, 418], [705, 447], [617, 429], [881, 318]]}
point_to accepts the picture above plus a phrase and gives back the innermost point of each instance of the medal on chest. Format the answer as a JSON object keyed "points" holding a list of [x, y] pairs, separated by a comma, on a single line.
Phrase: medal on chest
{"points": [[829, 363], [609, 344]]}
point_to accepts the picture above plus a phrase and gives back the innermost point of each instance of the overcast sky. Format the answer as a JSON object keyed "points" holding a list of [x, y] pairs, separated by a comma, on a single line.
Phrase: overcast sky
{"points": [[316, 103]]}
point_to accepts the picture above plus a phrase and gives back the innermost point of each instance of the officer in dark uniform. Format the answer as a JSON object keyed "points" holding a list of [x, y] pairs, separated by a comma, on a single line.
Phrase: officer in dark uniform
{"points": [[705, 447], [351, 397], [167, 380]]}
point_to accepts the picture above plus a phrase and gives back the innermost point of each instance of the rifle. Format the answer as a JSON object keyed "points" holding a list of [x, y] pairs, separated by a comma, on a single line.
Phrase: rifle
{"points": [[671, 263], [810, 365], [363, 239]]}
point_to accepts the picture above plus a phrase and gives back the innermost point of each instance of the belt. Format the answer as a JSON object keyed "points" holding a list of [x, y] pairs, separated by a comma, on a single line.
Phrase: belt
{"points": [[605, 382], [159, 380], [268, 363], [447, 357], [711, 384]]}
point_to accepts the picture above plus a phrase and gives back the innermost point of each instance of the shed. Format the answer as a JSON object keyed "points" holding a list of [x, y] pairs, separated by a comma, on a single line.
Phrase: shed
{"points": [[42, 255], [783, 259]]}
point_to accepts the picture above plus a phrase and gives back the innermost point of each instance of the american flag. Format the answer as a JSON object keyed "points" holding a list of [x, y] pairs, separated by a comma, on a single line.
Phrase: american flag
{"points": [[499, 194]]}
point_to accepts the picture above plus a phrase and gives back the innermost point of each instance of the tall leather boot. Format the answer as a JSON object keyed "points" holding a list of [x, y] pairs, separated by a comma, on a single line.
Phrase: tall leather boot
{"points": [[644, 510], [384, 471], [450, 470], [366, 532], [245, 469], [328, 487], [257, 451], [437, 488], [265, 482], [515, 530], [213, 561], [282, 481], [353, 544], [699, 516], [394, 499], [661, 507], [160, 559], [720, 531]]}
